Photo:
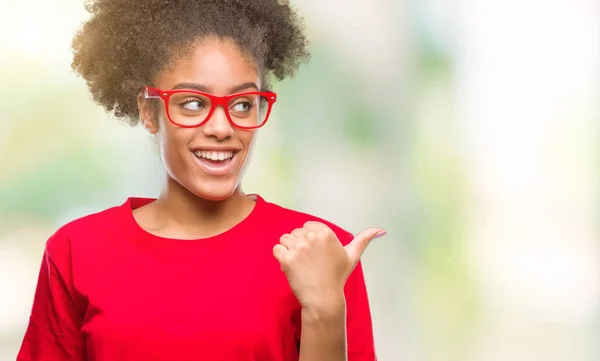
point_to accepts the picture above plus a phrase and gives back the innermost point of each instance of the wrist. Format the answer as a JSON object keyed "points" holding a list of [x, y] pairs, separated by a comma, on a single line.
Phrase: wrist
{"points": [[327, 309]]}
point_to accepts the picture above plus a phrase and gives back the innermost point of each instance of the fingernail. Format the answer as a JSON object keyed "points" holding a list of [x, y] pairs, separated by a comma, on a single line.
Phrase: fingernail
{"points": [[380, 234]]}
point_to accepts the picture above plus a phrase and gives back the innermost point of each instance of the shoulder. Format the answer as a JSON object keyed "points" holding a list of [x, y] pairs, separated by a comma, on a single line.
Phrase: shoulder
{"points": [[85, 230], [290, 219]]}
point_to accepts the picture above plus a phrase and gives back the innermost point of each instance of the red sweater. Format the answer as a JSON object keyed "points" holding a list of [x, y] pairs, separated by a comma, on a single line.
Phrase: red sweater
{"points": [[109, 291]]}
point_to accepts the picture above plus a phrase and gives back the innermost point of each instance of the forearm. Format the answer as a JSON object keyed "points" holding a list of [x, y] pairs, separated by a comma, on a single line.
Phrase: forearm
{"points": [[323, 336]]}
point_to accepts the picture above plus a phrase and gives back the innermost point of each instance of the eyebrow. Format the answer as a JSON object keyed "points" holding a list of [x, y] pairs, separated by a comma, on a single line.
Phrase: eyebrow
{"points": [[207, 89]]}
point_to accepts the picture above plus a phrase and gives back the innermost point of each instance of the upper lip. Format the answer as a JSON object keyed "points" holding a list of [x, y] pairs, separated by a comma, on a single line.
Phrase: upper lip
{"points": [[215, 149]]}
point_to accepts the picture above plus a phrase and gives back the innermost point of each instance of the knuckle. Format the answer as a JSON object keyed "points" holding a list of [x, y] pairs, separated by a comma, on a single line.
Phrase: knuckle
{"points": [[327, 232], [302, 246]]}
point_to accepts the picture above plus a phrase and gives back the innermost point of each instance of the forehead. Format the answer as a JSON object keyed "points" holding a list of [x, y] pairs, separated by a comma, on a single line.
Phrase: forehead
{"points": [[217, 64]]}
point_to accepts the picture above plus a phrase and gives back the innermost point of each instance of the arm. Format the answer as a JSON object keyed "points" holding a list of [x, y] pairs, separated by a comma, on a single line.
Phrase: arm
{"points": [[53, 330], [323, 335], [341, 330]]}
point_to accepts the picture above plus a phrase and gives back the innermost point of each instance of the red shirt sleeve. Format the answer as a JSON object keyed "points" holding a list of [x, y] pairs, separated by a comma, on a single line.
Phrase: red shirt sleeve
{"points": [[359, 327], [53, 330]]}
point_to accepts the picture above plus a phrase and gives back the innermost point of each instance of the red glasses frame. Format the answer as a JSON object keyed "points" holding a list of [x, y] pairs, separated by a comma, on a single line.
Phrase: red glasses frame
{"points": [[215, 100]]}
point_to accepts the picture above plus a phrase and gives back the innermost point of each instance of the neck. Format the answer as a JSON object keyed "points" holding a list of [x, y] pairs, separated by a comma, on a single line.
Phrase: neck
{"points": [[178, 207]]}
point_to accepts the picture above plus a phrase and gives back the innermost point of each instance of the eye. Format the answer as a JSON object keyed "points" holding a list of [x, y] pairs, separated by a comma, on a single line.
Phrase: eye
{"points": [[193, 104], [242, 106]]}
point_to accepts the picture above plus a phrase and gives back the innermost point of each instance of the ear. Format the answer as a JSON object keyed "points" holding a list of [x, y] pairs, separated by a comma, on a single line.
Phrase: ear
{"points": [[147, 114]]}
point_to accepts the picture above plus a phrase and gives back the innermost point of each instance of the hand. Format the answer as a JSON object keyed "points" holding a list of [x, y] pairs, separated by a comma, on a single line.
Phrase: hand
{"points": [[317, 265]]}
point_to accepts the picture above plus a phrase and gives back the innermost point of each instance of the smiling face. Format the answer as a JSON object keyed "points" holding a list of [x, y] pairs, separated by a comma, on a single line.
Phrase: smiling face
{"points": [[209, 160]]}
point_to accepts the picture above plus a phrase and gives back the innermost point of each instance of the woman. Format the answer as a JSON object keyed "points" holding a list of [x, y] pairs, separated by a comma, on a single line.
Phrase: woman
{"points": [[203, 272]]}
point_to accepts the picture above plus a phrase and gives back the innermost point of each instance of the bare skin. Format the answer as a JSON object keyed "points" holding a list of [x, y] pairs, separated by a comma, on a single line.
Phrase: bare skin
{"points": [[194, 204], [317, 267]]}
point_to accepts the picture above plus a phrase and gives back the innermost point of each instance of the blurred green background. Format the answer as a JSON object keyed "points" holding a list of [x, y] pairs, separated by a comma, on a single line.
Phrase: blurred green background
{"points": [[468, 129]]}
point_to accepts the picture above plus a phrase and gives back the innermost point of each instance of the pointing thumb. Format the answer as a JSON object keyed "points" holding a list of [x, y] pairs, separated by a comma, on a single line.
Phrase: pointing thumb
{"points": [[357, 246]]}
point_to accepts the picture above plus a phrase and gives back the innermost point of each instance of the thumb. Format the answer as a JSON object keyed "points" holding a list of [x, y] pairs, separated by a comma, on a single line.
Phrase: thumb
{"points": [[357, 246]]}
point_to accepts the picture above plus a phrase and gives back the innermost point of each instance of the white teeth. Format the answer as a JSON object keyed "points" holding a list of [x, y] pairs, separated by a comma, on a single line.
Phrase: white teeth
{"points": [[214, 155]]}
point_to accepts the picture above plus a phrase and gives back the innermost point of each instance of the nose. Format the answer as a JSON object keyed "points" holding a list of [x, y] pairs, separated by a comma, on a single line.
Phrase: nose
{"points": [[218, 125]]}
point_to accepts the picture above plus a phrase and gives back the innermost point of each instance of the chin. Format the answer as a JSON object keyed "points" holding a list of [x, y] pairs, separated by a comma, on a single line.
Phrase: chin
{"points": [[214, 192]]}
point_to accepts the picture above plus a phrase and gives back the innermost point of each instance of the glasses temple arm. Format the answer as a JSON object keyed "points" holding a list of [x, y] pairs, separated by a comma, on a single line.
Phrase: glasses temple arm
{"points": [[150, 93]]}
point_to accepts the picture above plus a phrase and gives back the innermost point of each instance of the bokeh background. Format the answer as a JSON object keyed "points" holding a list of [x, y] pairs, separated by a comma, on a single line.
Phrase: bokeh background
{"points": [[468, 128]]}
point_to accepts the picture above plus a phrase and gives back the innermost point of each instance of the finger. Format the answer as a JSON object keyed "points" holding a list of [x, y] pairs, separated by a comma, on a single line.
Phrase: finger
{"points": [[357, 246], [315, 226], [299, 232], [288, 241], [320, 229], [279, 252]]}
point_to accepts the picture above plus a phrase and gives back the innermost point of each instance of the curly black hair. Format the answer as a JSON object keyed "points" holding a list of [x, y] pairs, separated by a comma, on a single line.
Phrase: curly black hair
{"points": [[126, 43]]}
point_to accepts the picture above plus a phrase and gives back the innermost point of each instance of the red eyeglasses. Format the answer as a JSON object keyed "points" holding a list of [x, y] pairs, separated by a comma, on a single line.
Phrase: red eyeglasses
{"points": [[190, 108]]}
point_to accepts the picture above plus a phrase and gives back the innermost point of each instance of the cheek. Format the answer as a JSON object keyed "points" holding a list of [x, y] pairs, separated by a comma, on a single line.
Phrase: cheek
{"points": [[173, 143], [249, 140]]}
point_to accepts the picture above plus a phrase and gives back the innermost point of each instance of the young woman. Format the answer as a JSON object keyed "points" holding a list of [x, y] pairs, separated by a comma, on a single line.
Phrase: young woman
{"points": [[204, 271]]}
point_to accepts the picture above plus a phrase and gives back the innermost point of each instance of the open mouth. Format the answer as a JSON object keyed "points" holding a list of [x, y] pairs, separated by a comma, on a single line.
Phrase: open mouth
{"points": [[216, 163], [214, 158]]}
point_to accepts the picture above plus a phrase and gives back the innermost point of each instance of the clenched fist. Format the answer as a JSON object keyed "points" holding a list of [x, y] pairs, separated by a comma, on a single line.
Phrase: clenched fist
{"points": [[317, 265]]}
